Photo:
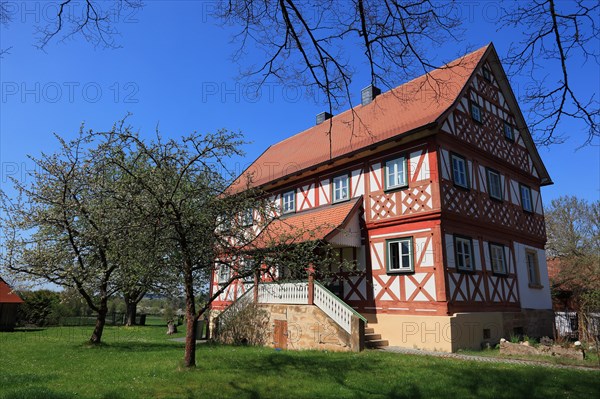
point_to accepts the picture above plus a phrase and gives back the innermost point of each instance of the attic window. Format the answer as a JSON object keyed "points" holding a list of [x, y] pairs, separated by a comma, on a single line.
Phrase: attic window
{"points": [[486, 74], [476, 113], [509, 134]]}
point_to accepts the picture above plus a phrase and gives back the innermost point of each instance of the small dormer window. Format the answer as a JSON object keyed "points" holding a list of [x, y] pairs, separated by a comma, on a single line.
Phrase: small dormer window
{"points": [[476, 113]]}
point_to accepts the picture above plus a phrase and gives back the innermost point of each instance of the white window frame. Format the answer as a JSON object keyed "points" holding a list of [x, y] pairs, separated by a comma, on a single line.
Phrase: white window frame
{"points": [[498, 259], [474, 106], [464, 171], [396, 173], [526, 199], [247, 217], [409, 255], [223, 274], [288, 202], [509, 131], [463, 251], [340, 185], [494, 191], [247, 263], [533, 269]]}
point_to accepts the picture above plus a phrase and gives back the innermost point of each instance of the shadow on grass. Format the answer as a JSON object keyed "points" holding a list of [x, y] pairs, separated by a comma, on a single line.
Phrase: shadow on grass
{"points": [[141, 346], [34, 393], [306, 374]]}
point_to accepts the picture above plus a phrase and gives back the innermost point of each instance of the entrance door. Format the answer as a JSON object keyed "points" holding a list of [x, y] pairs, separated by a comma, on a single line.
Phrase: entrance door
{"points": [[280, 334]]}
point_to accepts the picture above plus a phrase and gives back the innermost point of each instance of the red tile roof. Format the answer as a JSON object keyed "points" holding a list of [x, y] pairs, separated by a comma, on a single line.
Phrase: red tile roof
{"points": [[406, 108], [7, 295], [315, 224]]}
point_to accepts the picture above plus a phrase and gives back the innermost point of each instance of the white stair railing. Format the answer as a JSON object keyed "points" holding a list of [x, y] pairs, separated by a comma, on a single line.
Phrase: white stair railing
{"points": [[296, 293], [334, 307], [284, 293]]}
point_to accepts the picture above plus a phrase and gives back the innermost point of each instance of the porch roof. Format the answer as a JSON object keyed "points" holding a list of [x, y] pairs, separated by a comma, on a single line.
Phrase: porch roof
{"points": [[337, 224], [7, 295]]}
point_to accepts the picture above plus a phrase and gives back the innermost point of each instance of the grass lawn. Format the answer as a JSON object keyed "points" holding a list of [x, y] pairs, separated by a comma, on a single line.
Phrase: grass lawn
{"points": [[141, 362]]}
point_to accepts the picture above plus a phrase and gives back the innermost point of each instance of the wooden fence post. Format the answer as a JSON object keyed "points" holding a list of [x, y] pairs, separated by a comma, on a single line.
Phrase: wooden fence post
{"points": [[311, 284]]}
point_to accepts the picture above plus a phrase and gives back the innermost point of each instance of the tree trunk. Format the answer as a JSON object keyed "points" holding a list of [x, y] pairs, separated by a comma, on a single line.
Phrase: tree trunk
{"points": [[96, 337], [190, 311], [131, 310]]}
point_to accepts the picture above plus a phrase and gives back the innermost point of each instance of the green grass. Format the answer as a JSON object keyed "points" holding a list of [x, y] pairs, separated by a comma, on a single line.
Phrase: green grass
{"points": [[141, 362]]}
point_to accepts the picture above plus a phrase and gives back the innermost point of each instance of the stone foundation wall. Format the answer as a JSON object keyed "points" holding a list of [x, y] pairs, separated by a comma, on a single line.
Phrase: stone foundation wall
{"points": [[533, 322], [461, 330], [308, 327]]}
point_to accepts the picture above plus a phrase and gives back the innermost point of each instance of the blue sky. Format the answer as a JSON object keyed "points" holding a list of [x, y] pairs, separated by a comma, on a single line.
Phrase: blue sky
{"points": [[174, 71]]}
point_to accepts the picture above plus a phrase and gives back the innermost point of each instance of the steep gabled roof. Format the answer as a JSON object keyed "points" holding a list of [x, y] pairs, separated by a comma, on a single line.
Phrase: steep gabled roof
{"points": [[413, 106], [7, 295]]}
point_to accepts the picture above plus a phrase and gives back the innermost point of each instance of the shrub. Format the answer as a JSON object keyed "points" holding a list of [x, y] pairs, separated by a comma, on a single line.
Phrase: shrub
{"points": [[243, 325], [41, 308]]}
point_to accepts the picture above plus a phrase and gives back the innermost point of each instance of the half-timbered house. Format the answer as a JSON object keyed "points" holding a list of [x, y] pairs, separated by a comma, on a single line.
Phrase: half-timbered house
{"points": [[433, 190]]}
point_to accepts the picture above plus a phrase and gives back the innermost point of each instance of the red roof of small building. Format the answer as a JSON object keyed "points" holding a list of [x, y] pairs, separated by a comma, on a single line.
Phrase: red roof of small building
{"points": [[315, 224], [406, 108], [7, 295]]}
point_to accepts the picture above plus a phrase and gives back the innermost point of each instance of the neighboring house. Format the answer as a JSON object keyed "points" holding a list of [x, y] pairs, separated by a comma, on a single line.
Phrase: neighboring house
{"points": [[570, 320], [9, 304], [433, 189]]}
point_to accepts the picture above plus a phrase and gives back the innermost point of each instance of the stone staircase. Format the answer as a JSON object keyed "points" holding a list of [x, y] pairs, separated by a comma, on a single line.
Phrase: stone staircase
{"points": [[373, 340]]}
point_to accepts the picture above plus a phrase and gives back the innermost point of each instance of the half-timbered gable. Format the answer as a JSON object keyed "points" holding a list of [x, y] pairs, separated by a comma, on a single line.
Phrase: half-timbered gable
{"points": [[436, 199]]}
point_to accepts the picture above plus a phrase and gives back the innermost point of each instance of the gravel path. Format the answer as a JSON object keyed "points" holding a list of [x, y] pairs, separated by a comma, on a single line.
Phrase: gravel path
{"points": [[484, 359]]}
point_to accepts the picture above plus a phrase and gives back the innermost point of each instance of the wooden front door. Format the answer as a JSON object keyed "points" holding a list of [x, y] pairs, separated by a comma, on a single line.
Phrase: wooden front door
{"points": [[280, 334]]}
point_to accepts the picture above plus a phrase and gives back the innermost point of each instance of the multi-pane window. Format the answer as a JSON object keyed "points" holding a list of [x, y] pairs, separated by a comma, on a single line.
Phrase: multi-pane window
{"points": [[476, 113], [248, 217], [341, 189], [498, 258], [395, 173], [459, 171], [223, 223], [400, 255], [533, 269], [289, 201], [509, 133], [494, 184], [526, 201], [247, 269], [463, 248], [224, 273], [486, 74]]}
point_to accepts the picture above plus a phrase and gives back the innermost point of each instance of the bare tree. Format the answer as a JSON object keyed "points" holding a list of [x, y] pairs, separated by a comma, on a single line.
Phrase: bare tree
{"points": [[95, 21], [313, 45], [558, 38], [5, 19]]}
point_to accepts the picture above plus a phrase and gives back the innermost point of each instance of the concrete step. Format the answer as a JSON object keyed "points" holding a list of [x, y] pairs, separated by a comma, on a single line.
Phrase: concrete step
{"points": [[369, 330], [378, 343], [372, 337]]}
